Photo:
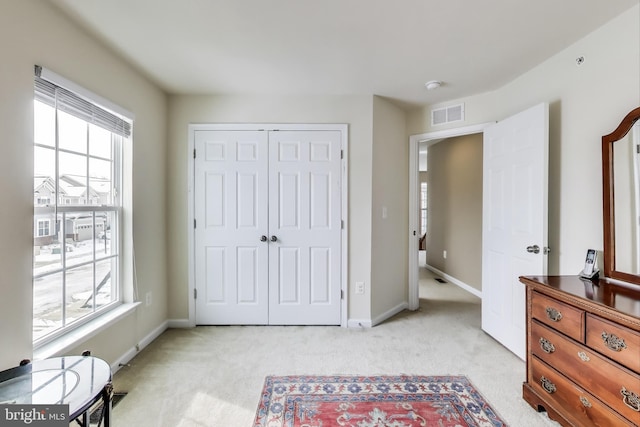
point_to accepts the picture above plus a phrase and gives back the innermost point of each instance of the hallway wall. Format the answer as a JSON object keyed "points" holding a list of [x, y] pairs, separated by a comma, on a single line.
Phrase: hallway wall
{"points": [[455, 208]]}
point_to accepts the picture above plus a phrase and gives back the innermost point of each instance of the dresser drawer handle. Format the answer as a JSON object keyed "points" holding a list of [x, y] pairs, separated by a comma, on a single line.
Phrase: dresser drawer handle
{"points": [[553, 314], [548, 385], [630, 399], [547, 346], [585, 402], [613, 342], [583, 356]]}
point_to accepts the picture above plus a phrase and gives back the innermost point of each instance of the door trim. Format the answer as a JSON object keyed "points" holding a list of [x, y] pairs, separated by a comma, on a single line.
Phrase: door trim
{"points": [[344, 245], [414, 175]]}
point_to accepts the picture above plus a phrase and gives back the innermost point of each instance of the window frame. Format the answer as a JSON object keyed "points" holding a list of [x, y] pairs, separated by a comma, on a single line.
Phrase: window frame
{"points": [[59, 209]]}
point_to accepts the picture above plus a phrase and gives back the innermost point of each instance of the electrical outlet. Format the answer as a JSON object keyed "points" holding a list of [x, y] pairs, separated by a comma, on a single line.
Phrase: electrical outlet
{"points": [[360, 288], [444, 254], [148, 299]]}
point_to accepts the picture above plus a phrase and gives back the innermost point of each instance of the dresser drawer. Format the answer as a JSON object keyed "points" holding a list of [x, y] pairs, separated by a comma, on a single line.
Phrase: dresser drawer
{"points": [[614, 341], [582, 407], [560, 316], [593, 372]]}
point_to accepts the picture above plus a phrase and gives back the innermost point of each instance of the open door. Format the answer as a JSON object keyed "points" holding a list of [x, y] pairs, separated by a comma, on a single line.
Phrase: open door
{"points": [[515, 220], [414, 196]]}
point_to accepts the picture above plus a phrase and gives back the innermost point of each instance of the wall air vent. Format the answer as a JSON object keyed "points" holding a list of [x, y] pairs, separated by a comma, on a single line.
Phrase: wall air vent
{"points": [[450, 114]]}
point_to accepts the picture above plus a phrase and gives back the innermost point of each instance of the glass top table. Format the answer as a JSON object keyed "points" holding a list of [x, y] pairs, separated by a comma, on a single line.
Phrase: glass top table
{"points": [[77, 381]]}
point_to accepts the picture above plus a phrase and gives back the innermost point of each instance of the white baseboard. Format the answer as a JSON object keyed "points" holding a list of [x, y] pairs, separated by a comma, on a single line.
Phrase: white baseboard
{"points": [[390, 313], [145, 341], [359, 323], [151, 336], [123, 360], [180, 323], [369, 323], [456, 282]]}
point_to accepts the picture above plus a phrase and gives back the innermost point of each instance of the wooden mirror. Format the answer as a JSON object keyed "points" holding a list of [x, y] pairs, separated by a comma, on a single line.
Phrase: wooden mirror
{"points": [[621, 193]]}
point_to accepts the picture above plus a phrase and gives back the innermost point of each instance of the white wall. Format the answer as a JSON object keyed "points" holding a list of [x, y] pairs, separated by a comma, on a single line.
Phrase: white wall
{"points": [[34, 32], [353, 110], [389, 233], [586, 102]]}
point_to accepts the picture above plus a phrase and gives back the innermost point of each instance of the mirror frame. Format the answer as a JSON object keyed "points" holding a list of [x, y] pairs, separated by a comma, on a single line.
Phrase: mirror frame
{"points": [[608, 195]]}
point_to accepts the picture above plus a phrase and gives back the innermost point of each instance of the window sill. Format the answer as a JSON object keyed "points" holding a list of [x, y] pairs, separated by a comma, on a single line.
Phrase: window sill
{"points": [[76, 337]]}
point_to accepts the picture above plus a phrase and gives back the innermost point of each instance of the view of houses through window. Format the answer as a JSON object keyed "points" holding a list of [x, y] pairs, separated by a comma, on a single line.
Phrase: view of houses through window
{"points": [[76, 215], [423, 208]]}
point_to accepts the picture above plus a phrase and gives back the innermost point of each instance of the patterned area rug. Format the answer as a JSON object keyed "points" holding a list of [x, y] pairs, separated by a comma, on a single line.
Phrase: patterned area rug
{"points": [[378, 401]]}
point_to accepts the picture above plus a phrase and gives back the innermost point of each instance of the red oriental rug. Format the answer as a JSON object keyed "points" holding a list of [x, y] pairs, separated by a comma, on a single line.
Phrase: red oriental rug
{"points": [[377, 401]]}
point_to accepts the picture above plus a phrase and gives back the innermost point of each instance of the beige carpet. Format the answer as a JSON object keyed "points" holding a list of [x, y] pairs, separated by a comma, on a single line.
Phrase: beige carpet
{"points": [[212, 376]]}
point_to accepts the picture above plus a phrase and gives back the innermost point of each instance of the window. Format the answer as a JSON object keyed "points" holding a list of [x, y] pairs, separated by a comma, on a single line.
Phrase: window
{"points": [[78, 210], [43, 227], [423, 208]]}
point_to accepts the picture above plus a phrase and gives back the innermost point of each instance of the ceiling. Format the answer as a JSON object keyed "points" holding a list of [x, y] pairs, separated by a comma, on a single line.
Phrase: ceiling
{"points": [[336, 47]]}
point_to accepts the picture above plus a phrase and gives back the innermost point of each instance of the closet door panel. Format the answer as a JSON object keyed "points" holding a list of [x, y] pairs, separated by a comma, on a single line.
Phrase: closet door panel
{"points": [[304, 218], [231, 261]]}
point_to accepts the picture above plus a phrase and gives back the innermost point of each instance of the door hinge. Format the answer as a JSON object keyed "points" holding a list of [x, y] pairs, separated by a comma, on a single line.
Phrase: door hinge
{"points": [[638, 148], [342, 224], [195, 293], [342, 154], [341, 294], [194, 223], [194, 153]]}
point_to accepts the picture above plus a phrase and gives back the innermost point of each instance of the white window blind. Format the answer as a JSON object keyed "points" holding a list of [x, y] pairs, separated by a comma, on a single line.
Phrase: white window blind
{"points": [[56, 96]]}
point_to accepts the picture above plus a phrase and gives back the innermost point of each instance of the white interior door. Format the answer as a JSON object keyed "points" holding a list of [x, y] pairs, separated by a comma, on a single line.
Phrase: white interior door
{"points": [[267, 242], [231, 260], [514, 220], [304, 227]]}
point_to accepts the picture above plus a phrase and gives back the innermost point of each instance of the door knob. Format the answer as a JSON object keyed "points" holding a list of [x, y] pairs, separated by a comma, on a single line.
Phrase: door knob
{"points": [[535, 249], [274, 239], [263, 238]]}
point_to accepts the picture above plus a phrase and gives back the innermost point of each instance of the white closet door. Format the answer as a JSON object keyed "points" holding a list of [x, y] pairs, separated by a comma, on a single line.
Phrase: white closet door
{"points": [[230, 190], [304, 227]]}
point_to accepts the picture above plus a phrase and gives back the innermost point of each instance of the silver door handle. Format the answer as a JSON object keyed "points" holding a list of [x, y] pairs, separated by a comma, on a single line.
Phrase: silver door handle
{"points": [[274, 239], [263, 238], [535, 249]]}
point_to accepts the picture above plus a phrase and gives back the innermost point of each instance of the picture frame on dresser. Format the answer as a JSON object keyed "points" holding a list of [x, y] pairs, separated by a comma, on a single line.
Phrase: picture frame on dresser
{"points": [[583, 334]]}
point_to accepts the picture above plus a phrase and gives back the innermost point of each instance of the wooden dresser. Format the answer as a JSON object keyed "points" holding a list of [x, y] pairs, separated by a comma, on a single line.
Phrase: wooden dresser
{"points": [[583, 350]]}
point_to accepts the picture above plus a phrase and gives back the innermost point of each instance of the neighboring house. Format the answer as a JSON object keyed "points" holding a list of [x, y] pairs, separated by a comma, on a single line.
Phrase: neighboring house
{"points": [[45, 229], [72, 191]]}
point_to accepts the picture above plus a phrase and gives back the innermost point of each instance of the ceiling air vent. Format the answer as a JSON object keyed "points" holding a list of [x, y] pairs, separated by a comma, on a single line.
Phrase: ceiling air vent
{"points": [[453, 113]]}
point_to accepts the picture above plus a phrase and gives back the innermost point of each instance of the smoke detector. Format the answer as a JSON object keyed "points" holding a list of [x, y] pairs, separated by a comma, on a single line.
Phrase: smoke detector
{"points": [[433, 84]]}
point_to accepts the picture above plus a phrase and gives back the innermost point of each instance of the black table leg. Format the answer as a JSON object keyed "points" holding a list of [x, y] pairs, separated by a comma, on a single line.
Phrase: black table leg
{"points": [[107, 395]]}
